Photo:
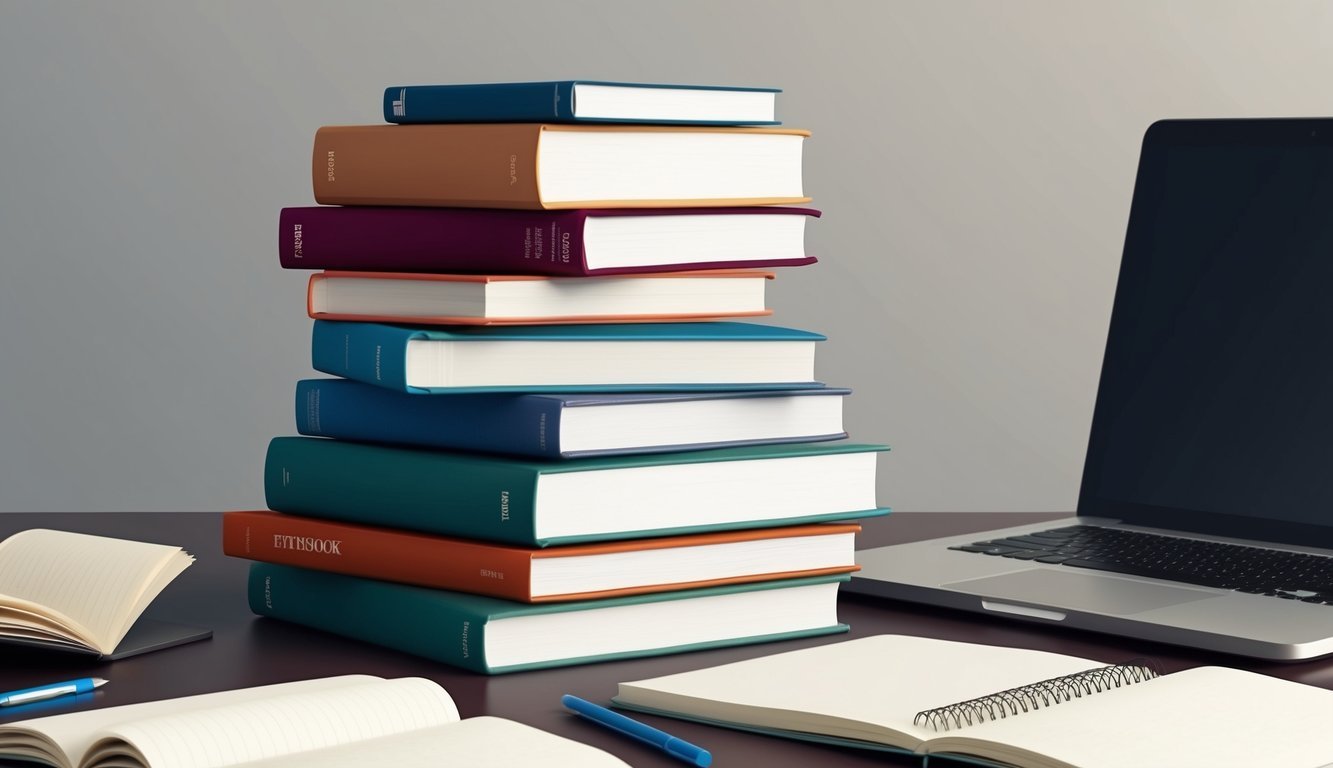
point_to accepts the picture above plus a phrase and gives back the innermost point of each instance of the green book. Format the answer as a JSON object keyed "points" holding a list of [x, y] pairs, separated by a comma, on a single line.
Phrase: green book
{"points": [[538, 503], [492, 636]]}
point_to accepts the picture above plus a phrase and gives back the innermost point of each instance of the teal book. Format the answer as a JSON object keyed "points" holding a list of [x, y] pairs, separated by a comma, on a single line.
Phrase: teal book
{"points": [[538, 503], [580, 101], [492, 636], [615, 357]]}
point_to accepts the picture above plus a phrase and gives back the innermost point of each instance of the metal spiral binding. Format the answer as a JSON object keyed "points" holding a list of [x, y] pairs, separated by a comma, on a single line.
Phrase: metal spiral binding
{"points": [[1045, 693]]}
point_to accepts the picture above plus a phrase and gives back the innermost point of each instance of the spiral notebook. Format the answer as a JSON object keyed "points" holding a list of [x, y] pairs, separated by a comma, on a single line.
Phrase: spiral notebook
{"points": [[1003, 706]]}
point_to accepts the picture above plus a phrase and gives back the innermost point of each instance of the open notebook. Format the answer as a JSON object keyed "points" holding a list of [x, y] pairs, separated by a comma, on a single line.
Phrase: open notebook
{"points": [[335, 722], [1004, 706], [82, 593]]}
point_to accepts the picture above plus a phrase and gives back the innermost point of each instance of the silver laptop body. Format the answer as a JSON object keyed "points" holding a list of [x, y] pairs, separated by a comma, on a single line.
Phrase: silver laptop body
{"points": [[1214, 415]]}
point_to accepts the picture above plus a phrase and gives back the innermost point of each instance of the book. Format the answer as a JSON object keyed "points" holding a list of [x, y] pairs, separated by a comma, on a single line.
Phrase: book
{"points": [[85, 594], [1003, 706], [333, 722], [491, 636], [539, 165], [541, 503], [618, 357], [435, 299], [566, 426], [559, 243], [535, 575], [580, 101]]}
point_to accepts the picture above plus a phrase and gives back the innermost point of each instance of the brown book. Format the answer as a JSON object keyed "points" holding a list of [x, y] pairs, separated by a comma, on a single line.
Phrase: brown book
{"points": [[553, 574], [534, 165]]}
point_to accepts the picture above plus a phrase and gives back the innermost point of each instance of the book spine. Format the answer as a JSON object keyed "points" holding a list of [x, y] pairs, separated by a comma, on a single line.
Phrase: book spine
{"points": [[508, 424], [410, 619], [378, 553], [500, 102], [451, 494], [432, 240], [467, 165], [372, 353]]}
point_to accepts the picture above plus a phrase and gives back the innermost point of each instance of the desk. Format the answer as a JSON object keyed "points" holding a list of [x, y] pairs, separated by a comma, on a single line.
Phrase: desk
{"points": [[247, 651]]}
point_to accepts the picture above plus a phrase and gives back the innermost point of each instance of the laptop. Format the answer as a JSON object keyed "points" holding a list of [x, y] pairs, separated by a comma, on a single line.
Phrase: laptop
{"points": [[1205, 514]]}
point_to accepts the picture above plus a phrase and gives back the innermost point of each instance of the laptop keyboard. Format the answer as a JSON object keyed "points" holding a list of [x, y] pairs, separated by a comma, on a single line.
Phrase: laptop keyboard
{"points": [[1286, 575]]}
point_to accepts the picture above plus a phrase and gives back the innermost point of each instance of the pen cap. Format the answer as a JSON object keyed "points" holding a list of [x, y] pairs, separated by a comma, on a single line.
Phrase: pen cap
{"points": [[688, 752]]}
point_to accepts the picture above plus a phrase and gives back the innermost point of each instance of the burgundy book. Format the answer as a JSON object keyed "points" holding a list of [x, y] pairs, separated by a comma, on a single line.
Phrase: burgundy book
{"points": [[559, 242]]}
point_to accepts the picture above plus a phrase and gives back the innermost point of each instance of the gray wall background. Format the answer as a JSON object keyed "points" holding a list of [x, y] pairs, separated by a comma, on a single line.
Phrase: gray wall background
{"points": [[974, 161]]}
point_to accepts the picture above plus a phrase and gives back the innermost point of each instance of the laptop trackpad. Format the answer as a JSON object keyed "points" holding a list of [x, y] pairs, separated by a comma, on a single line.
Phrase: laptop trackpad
{"points": [[1080, 592]]}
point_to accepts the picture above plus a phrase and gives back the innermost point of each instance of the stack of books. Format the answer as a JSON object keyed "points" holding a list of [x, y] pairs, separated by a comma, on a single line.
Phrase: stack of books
{"points": [[550, 443]]}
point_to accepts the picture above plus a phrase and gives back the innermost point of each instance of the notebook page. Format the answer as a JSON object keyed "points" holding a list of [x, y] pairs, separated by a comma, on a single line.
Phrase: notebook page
{"points": [[73, 733], [868, 689], [1209, 717], [92, 580], [478, 742], [21, 615], [281, 726]]}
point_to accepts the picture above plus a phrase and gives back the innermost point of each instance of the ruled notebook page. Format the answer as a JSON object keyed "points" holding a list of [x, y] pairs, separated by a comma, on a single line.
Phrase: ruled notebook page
{"points": [[74, 733], [277, 727], [478, 742], [94, 584]]}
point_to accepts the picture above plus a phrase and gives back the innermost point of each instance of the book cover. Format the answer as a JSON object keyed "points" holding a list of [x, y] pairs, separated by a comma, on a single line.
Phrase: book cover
{"points": [[492, 498], [477, 240], [451, 627], [578, 294], [519, 424], [475, 567], [495, 165], [537, 102], [377, 353]]}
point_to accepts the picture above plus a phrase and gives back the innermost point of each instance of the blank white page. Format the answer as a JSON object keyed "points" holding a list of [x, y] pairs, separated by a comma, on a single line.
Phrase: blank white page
{"points": [[869, 688], [73, 733], [1209, 717], [95, 584], [282, 725], [478, 742]]}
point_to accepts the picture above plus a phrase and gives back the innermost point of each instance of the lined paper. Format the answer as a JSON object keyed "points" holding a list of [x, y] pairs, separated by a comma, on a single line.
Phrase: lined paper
{"points": [[344, 722], [96, 585], [478, 742], [74, 733], [285, 725]]}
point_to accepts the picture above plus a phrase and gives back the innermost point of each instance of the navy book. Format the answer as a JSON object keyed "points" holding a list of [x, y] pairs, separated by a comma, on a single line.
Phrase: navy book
{"points": [[580, 101], [564, 426]]}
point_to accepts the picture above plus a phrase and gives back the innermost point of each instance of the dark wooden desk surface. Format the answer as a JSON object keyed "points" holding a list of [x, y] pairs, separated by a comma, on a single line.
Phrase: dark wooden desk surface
{"points": [[247, 651]]}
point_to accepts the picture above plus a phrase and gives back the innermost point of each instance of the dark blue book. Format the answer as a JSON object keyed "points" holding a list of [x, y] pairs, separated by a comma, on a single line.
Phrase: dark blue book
{"points": [[623, 357], [563, 426], [580, 101]]}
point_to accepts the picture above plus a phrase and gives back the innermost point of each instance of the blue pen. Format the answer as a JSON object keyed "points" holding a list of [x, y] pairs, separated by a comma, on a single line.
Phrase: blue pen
{"points": [[29, 695], [635, 729]]}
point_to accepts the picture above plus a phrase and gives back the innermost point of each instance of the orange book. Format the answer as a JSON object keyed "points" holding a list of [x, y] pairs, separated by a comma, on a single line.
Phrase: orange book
{"points": [[434, 299], [554, 574], [535, 165]]}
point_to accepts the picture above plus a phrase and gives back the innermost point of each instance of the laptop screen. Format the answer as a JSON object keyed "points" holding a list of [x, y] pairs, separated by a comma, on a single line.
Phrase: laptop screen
{"points": [[1215, 408]]}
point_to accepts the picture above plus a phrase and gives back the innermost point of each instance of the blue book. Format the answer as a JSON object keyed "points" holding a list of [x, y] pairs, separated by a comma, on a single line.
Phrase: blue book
{"points": [[628, 357], [563, 426], [580, 101]]}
